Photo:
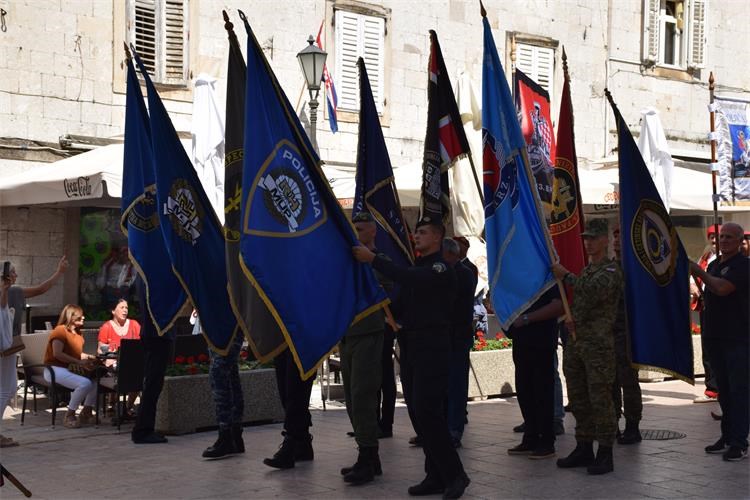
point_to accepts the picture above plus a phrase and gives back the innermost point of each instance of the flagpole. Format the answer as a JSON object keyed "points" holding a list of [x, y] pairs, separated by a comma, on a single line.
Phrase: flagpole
{"points": [[714, 198], [476, 179]]}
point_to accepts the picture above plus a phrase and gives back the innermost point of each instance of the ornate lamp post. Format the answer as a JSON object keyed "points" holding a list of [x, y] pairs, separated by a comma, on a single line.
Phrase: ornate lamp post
{"points": [[312, 59]]}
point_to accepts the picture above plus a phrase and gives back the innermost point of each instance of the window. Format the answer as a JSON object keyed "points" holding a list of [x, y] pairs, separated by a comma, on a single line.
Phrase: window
{"points": [[674, 33], [359, 35], [538, 63], [159, 31]]}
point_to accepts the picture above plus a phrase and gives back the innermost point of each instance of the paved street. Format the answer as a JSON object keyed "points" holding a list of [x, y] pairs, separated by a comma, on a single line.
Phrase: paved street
{"points": [[99, 463]]}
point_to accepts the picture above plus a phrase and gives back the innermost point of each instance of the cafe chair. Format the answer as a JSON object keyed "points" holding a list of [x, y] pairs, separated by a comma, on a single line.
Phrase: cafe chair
{"points": [[128, 376], [32, 359]]}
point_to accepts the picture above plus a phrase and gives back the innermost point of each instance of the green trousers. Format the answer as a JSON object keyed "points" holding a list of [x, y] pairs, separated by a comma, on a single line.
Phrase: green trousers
{"points": [[362, 372]]}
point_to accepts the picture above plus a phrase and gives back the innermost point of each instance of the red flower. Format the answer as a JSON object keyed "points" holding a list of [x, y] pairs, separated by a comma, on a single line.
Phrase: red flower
{"points": [[498, 335], [192, 370], [179, 360], [203, 358], [190, 360], [243, 354]]}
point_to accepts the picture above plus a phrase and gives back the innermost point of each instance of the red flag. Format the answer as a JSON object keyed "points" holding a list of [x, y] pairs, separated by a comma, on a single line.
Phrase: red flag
{"points": [[445, 139], [567, 211], [532, 103]]}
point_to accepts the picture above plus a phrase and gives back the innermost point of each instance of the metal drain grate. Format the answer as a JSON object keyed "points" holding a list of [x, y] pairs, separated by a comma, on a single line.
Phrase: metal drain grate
{"points": [[661, 435]]}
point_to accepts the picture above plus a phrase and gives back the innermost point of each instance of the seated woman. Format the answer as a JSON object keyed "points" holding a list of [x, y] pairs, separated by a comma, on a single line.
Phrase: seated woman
{"points": [[65, 348], [111, 334]]}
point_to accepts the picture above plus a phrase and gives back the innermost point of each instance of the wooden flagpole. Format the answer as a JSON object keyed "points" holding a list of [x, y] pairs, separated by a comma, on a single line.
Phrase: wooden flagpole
{"points": [[714, 173]]}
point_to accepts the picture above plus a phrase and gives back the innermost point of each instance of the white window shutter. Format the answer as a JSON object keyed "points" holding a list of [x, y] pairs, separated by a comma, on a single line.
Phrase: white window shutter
{"points": [[175, 39], [538, 63], [358, 35], [651, 9], [144, 32], [697, 33]]}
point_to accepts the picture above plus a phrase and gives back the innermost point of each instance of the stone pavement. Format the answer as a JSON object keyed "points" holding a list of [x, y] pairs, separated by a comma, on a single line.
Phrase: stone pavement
{"points": [[99, 463]]}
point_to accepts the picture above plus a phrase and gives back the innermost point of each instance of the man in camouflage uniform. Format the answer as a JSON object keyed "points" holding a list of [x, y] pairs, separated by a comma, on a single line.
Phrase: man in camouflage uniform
{"points": [[589, 357], [224, 375], [361, 349], [626, 391]]}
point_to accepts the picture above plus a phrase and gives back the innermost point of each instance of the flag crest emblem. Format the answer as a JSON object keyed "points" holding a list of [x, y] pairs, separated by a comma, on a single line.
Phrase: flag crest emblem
{"points": [[184, 211], [500, 176], [565, 210], [142, 215], [286, 194], [655, 241]]}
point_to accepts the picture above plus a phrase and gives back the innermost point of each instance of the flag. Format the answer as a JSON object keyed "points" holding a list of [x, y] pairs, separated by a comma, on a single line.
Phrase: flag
{"points": [[192, 233], [732, 137], [566, 220], [165, 297], [296, 242], [655, 265], [653, 145], [375, 190], [256, 321], [532, 103], [331, 98], [445, 140], [518, 258]]}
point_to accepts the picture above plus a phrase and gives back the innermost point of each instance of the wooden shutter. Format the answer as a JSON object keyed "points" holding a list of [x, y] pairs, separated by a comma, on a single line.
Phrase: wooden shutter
{"points": [[650, 52], [358, 35], [538, 63], [175, 42], [697, 33], [144, 32]]}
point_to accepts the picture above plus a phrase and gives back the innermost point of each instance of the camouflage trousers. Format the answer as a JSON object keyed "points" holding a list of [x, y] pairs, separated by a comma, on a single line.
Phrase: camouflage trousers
{"points": [[224, 375], [626, 389], [589, 367]]}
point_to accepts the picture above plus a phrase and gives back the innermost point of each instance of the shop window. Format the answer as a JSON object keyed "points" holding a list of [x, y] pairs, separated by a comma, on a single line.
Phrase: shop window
{"points": [[675, 33]]}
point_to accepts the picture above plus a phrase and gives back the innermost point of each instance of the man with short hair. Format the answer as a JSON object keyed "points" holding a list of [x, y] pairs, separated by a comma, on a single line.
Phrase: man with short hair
{"points": [[726, 336], [427, 296], [589, 356], [462, 340]]}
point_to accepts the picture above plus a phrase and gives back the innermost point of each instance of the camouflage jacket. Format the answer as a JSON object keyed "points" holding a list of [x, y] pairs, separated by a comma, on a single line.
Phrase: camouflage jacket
{"points": [[596, 297]]}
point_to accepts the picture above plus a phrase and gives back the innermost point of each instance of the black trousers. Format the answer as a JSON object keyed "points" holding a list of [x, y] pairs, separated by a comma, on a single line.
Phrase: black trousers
{"points": [[729, 359], [387, 393], [295, 396], [156, 356], [406, 381], [535, 388], [425, 358]]}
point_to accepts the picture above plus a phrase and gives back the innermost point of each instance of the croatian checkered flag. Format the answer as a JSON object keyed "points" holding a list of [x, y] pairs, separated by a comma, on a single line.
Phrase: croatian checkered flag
{"points": [[331, 98]]}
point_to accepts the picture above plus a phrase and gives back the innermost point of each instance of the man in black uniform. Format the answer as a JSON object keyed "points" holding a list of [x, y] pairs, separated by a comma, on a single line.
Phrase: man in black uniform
{"points": [[462, 340], [295, 398], [427, 296]]}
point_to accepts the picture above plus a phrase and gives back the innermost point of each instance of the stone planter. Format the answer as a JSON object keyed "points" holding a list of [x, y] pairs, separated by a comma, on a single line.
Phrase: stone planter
{"points": [[652, 376], [491, 373], [186, 403]]}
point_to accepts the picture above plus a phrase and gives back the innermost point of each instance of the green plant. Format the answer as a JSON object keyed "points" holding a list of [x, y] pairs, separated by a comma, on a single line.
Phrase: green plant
{"points": [[195, 365], [499, 342]]}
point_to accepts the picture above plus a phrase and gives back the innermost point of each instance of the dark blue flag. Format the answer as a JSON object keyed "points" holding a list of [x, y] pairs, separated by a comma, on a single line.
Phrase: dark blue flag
{"points": [[296, 242], [518, 256], [375, 190], [191, 230], [140, 220], [655, 265]]}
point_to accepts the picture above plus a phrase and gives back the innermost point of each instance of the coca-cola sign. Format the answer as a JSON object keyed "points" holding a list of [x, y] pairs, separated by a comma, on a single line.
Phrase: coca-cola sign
{"points": [[77, 188]]}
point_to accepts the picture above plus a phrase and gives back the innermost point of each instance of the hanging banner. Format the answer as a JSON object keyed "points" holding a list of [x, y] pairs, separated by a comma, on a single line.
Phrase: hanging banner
{"points": [[733, 150]]}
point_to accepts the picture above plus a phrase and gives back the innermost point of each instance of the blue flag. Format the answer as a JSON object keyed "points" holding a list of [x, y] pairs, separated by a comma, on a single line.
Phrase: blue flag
{"points": [[517, 241], [375, 190], [140, 220], [190, 228], [296, 241], [655, 265]]}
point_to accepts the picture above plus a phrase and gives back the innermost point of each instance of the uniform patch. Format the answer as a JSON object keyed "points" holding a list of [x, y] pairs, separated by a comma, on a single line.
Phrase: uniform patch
{"points": [[439, 267], [724, 271], [655, 242]]}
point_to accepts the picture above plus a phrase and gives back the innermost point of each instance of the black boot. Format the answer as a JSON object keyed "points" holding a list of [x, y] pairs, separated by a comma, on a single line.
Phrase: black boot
{"points": [[582, 456], [239, 444], [603, 462], [223, 447], [363, 471], [632, 433], [303, 449], [377, 466], [284, 457]]}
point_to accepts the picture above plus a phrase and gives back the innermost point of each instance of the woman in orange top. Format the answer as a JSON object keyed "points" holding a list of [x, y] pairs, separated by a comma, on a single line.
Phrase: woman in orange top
{"points": [[118, 328], [65, 348]]}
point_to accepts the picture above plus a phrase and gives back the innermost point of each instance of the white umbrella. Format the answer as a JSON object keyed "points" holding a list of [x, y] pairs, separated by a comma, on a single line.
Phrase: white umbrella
{"points": [[655, 151], [208, 142]]}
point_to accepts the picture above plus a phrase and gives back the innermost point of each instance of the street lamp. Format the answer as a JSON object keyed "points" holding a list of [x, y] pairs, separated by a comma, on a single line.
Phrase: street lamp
{"points": [[312, 59]]}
